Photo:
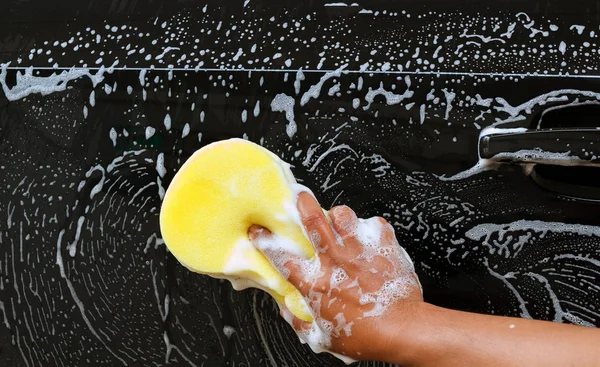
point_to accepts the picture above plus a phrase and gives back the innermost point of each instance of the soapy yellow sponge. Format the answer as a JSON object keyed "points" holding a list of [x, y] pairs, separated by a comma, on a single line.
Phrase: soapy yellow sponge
{"points": [[218, 193]]}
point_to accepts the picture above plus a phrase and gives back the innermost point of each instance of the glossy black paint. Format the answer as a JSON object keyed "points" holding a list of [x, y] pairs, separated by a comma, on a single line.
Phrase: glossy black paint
{"points": [[125, 287]]}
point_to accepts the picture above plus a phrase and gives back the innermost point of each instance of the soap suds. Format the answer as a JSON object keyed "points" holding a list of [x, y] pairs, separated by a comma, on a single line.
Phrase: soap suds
{"points": [[284, 103], [315, 90], [390, 97], [528, 55], [149, 132], [27, 83], [398, 285]]}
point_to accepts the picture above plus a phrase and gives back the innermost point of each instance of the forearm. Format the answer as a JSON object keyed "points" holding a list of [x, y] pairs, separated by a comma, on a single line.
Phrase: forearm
{"points": [[442, 337]]}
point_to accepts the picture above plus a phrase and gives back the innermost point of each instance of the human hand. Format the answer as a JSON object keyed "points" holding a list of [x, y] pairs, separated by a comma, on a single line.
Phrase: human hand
{"points": [[360, 285]]}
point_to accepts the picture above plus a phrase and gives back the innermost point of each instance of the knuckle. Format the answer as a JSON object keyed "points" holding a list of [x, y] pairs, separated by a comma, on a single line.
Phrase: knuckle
{"points": [[295, 279], [340, 210], [315, 237], [381, 220], [314, 220], [322, 284], [345, 220], [385, 224]]}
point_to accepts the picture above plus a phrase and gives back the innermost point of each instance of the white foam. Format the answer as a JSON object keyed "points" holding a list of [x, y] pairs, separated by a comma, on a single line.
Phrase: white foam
{"points": [[578, 28], [338, 276], [160, 165], [487, 229], [256, 111], [368, 232], [72, 247], [149, 132], [186, 130], [401, 282], [167, 121], [275, 243], [228, 331], [315, 90], [483, 164], [99, 186], [284, 103], [27, 83], [113, 136], [298, 82], [390, 97], [343, 325], [76, 299], [450, 96], [539, 156], [142, 77]]}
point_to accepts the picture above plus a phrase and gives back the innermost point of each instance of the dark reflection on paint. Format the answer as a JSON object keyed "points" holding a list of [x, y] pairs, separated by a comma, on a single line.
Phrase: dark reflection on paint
{"points": [[87, 280]]}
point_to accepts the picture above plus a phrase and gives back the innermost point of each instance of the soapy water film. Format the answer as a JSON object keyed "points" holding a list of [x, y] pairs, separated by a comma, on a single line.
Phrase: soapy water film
{"points": [[86, 278]]}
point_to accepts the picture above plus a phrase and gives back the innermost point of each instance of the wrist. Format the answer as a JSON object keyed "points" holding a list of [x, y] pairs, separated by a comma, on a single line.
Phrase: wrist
{"points": [[419, 335]]}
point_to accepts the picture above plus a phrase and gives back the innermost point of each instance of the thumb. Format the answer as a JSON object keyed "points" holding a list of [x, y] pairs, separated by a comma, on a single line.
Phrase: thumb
{"points": [[256, 232], [277, 251]]}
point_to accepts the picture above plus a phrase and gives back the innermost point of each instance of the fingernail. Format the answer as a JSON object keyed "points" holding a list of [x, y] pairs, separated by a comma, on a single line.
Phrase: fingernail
{"points": [[255, 231]]}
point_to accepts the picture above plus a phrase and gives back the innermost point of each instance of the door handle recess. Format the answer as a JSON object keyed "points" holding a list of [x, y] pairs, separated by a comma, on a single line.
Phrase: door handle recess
{"points": [[564, 161], [562, 147]]}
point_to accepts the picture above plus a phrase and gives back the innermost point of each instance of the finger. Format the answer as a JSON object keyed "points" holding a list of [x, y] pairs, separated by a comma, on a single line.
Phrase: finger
{"points": [[298, 277], [255, 232], [345, 223], [291, 266], [390, 247], [382, 243], [388, 234], [300, 325], [315, 223], [295, 322]]}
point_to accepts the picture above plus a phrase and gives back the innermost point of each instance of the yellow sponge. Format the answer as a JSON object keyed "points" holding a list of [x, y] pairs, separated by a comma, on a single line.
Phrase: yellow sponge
{"points": [[215, 197]]}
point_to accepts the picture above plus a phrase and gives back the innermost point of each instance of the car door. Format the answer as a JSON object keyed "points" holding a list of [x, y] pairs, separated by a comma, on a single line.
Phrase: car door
{"points": [[471, 128]]}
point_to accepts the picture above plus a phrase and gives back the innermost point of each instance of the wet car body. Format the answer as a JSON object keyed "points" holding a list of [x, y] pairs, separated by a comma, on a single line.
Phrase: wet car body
{"points": [[380, 106]]}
